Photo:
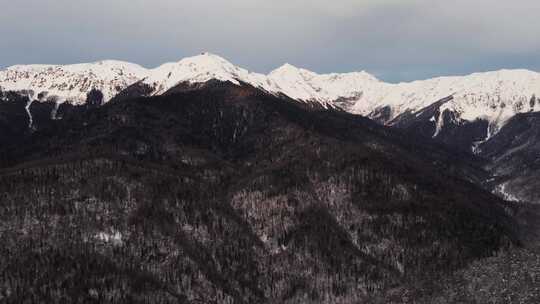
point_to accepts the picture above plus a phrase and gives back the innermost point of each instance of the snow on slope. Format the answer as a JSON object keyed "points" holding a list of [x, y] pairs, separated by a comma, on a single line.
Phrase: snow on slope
{"points": [[199, 69], [305, 85], [72, 82], [494, 96]]}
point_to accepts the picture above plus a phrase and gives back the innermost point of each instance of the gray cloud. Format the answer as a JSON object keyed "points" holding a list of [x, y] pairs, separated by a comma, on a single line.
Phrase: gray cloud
{"points": [[394, 39]]}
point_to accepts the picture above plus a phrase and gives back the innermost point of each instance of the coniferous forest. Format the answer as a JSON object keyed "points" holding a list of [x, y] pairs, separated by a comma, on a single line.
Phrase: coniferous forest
{"points": [[226, 194]]}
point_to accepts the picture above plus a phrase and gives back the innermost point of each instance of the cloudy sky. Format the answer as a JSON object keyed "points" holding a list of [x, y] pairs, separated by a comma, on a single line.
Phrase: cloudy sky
{"points": [[396, 40]]}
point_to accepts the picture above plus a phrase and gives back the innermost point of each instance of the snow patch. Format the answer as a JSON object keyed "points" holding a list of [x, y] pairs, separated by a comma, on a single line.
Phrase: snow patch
{"points": [[439, 125], [502, 192], [113, 237], [54, 111], [28, 111]]}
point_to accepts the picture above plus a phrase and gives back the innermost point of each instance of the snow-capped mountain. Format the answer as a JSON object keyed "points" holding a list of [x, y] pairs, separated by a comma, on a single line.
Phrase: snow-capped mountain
{"points": [[71, 82], [492, 96], [463, 112], [198, 69], [327, 89]]}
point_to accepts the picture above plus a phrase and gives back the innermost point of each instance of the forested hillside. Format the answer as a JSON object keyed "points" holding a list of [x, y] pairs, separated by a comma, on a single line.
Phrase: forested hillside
{"points": [[225, 194]]}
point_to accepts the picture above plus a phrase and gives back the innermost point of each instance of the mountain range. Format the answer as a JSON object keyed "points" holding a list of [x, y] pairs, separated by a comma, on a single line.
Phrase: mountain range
{"points": [[493, 96], [200, 182], [464, 112]]}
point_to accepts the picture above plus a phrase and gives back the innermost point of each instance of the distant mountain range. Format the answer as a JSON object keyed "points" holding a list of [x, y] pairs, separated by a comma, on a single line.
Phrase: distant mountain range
{"points": [[492, 96]]}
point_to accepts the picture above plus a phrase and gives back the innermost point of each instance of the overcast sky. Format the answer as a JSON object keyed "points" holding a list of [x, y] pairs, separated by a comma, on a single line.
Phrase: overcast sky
{"points": [[393, 39]]}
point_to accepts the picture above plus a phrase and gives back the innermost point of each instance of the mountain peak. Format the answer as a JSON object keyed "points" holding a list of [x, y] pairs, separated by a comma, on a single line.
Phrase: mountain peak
{"points": [[206, 58], [197, 69], [289, 69]]}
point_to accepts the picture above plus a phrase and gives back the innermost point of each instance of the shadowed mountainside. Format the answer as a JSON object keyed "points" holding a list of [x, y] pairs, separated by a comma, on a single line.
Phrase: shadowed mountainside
{"points": [[224, 194]]}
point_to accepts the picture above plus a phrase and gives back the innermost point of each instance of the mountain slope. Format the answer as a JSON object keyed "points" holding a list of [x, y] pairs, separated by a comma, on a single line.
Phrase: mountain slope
{"points": [[198, 69], [515, 158], [71, 82], [229, 194], [492, 96], [462, 112]]}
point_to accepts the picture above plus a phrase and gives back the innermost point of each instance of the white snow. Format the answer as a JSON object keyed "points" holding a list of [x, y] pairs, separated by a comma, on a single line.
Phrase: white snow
{"points": [[501, 191], [493, 96], [114, 237], [305, 85], [30, 118], [72, 82], [199, 69]]}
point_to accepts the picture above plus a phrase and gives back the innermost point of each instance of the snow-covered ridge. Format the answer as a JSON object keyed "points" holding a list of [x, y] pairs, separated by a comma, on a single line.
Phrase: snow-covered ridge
{"points": [[305, 85], [71, 82], [494, 96], [491, 92], [199, 69]]}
